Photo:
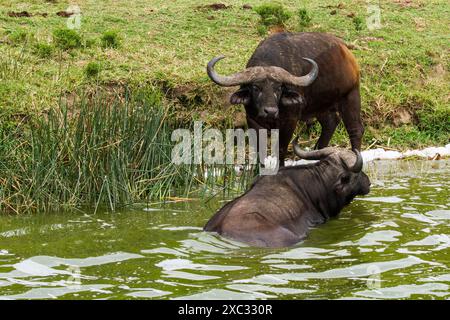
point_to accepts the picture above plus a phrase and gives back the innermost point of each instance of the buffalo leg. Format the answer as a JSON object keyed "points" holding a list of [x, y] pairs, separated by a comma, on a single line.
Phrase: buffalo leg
{"points": [[350, 110], [252, 124], [286, 132], [328, 121]]}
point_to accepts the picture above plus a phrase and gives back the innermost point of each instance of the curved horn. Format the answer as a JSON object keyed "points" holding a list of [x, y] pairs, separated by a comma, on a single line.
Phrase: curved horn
{"points": [[258, 73], [302, 81], [225, 81], [312, 155], [357, 167]]}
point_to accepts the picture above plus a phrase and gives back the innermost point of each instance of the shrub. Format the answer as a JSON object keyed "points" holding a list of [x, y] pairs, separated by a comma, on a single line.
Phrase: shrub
{"points": [[110, 39], [358, 22], [92, 69], [262, 30], [43, 50], [434, 120], [19, 36], [66, 39], [273, 14], [89, 43], [304, 19]]}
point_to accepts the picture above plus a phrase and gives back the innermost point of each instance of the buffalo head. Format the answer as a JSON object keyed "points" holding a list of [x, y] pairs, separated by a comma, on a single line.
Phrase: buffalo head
{"points": [[264, 88], [346, 176]]}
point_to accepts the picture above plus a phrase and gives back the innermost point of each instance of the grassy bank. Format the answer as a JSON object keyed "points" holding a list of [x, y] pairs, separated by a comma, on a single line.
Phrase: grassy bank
{"points": [[404, 64]]}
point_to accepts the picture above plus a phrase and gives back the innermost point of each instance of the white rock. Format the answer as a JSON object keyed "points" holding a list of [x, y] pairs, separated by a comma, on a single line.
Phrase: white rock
{"points": [[433, 151], [381, 154], [414, 153]]}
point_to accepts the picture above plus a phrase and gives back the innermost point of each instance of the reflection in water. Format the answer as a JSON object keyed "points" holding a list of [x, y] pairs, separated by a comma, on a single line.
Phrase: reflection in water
{"points": [[53, 293], [405, 291], [374, 238], [393, 243], [392, 199], [179, 264], [223, 294], [360, 270], [147, 293]]}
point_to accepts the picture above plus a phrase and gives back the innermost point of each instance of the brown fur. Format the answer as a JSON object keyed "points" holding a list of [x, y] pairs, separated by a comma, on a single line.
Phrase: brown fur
{"points": [[334, 94]]}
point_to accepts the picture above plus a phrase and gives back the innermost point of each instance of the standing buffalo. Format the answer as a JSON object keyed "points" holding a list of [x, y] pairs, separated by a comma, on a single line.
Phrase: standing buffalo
{"points": [[278, 210], [276, 93]]}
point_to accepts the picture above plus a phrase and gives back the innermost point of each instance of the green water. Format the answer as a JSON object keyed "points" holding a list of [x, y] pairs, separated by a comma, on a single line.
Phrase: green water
{"points": [[392, 243]]}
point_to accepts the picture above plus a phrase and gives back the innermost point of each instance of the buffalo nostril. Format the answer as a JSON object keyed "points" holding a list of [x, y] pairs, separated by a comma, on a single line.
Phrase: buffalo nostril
{"points": [[262, 114], [271, 111]]}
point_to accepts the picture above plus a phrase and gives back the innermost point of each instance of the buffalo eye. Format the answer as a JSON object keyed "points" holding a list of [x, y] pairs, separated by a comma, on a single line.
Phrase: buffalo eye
{"points": [[290, 97], [341, 184], [345, 179], [277, 91], [255, 88]]}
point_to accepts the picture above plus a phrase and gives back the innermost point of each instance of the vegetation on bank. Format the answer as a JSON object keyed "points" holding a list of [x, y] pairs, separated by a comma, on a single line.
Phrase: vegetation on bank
{"points": [[102, 149], [52, 77]]}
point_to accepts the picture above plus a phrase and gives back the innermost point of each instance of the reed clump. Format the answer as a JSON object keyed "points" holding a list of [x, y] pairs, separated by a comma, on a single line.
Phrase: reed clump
{"points": [[101, 149]]}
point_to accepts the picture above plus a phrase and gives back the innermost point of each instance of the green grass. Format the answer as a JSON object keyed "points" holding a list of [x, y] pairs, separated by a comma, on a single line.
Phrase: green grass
{"points": [[92, 69], [273, 14], [358, 22], [404, 65], [110, 39], [304, 18], [43, 50], [66, 39], [402, 138], [19, 36]]}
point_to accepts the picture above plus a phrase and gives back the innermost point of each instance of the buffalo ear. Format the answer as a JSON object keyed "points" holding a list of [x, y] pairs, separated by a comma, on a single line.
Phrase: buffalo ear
{"points": [[242, 96], [341, 183], [290, 98]]}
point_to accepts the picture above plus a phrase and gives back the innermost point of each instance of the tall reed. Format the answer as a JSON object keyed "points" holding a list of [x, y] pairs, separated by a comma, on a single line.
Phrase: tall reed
{"points": [[102, 149]]}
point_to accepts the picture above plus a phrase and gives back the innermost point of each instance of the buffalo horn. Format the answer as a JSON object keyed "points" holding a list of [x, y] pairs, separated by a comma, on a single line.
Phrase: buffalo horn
{"points": [[252, 74], [312, 155], [357, 167]]}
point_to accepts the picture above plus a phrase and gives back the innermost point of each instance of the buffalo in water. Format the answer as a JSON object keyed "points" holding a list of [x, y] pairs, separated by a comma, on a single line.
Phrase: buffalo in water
{"points": [[298, 76], [279, 210]]}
